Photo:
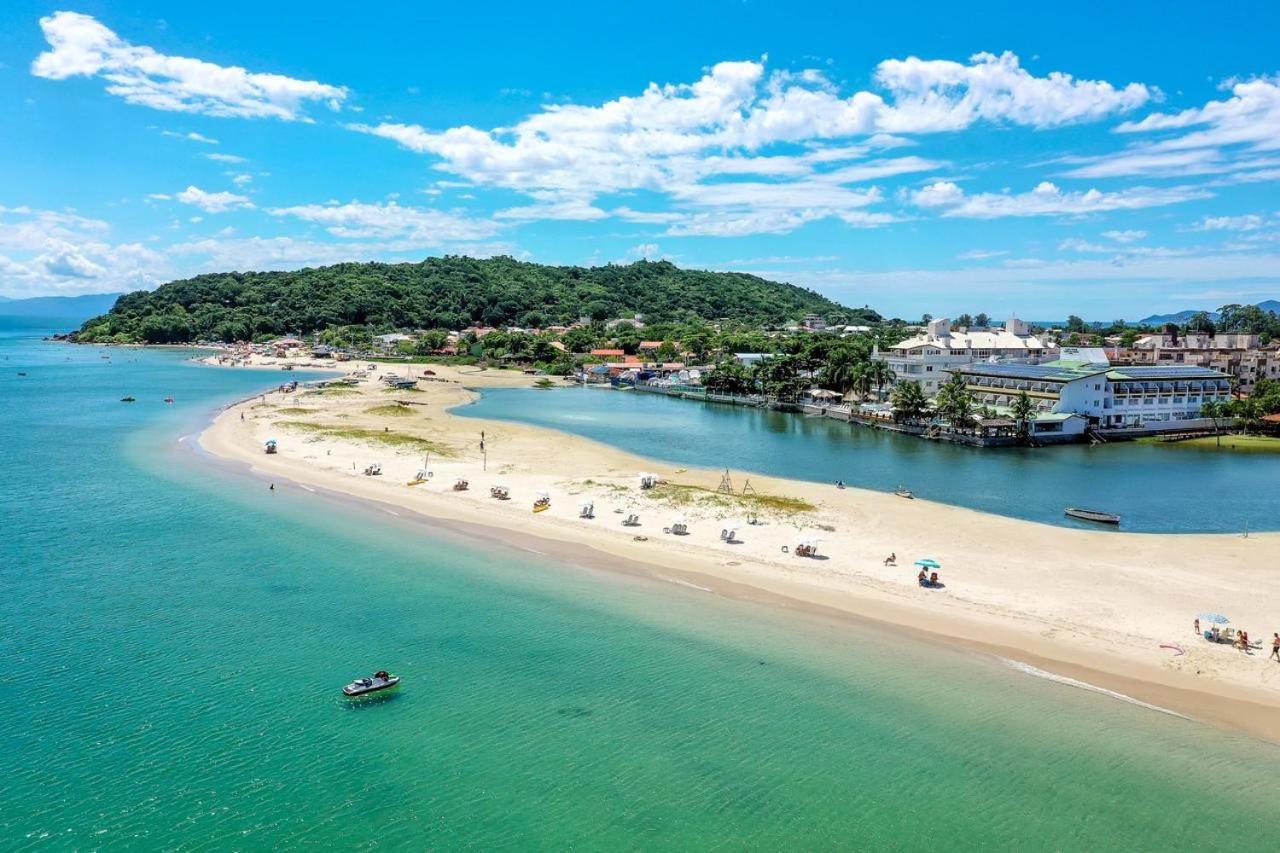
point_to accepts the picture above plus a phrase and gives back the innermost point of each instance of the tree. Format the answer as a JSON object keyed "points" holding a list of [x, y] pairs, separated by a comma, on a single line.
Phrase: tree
{"points": [[1023, 411], [1075, 324], [841, 367], [964, 321], [982, 321], [729, 377], [909, 401], [954, 402], [1201, 322], [880, 374]]}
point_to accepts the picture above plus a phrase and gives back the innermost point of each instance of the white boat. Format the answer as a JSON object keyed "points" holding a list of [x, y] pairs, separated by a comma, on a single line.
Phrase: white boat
{"points": [[380, 680], [1092, 515]]}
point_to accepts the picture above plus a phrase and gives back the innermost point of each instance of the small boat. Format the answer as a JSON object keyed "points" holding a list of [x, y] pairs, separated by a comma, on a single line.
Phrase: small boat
{"points": [[904, 492], [169, 399], [22, 373], [380, 680], [128, 399], [1092, 515]]}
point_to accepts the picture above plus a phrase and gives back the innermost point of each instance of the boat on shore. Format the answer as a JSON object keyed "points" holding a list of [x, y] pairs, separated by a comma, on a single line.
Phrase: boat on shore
{"points": [[1092, 515], [904, 492], [380, 680]]}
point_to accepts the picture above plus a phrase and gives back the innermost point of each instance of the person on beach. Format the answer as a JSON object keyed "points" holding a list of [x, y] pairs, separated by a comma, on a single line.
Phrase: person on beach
{"points": [[1197, 626], [1275, 646]]}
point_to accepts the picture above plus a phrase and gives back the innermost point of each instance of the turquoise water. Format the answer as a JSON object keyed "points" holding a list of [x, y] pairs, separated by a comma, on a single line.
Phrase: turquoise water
{"points": [[174, 636], [1154, 488]]}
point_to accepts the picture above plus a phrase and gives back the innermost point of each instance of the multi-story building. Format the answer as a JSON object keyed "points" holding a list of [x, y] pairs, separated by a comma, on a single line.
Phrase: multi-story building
{"points": [[930, 357], [1239, 355], [1145, 397]]}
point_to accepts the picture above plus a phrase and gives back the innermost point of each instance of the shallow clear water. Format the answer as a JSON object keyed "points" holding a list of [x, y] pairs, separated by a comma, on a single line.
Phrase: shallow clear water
{"points": [[1155, 489], [174, 636]]}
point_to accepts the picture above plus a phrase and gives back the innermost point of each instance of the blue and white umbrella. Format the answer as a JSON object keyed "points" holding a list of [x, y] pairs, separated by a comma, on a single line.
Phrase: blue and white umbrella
{"points": [[1215, 618]]}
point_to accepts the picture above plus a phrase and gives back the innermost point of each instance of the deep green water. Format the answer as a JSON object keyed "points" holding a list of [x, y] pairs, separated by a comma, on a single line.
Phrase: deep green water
{"points": [[1155, 489], [173, 636]]}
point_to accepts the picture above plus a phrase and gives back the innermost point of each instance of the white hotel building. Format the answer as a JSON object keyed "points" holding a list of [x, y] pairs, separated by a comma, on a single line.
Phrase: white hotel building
{"points": [[930, 357], [1087, 391]]}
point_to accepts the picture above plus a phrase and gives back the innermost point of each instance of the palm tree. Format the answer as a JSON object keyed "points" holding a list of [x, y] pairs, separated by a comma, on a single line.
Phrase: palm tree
{"points": [[861, 378], [1023, 410], [881, 374], [838, 371], [909, 401], [954, 402]]}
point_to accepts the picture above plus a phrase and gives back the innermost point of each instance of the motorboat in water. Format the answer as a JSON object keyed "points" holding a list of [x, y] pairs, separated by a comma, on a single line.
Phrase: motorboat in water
{"points": [[380, 680], [1092, 515]]}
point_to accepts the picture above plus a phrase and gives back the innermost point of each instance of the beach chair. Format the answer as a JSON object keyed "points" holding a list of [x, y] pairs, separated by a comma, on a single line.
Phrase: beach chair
{"points": [[632, 520]]}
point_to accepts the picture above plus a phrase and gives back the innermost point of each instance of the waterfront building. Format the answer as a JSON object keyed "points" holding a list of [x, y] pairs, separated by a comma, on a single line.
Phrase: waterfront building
{"points": [[1084, 390], [1239, 355], [931, 356]]}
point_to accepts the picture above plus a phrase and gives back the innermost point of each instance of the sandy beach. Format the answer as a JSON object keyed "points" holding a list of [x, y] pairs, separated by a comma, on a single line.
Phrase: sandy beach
{"points": [[1111, 609]]}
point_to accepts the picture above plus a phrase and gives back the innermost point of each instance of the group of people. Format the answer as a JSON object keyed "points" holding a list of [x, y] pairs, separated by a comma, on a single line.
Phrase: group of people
{"points": [[929, 579], [1239, 639]]}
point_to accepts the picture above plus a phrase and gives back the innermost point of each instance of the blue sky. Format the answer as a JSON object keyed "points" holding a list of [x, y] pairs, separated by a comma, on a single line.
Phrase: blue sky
{"points": [[1106, 160]]}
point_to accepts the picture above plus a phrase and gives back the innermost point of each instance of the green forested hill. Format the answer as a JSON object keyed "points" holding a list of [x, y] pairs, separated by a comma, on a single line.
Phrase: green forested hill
{"points": [[446, 293]]}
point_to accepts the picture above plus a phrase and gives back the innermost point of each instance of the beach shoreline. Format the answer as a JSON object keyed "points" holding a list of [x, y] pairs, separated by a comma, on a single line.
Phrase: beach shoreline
{"points": [[1064, 621]]}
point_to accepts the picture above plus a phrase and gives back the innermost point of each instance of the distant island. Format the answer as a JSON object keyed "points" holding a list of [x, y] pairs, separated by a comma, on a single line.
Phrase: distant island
{"points": [[56, 310], [448, 293], [1181, 318]]}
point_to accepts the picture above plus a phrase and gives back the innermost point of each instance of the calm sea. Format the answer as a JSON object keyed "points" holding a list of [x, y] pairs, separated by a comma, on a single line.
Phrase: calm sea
{"points": [[173, 637], [1154, 488]]}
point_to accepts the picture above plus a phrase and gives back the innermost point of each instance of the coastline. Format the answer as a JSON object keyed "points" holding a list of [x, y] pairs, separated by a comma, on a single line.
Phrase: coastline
{"points": [[1094, 607]]}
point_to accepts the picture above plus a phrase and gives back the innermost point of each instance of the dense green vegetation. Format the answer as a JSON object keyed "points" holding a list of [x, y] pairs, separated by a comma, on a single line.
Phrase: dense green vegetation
{"points": [[447, 293]]}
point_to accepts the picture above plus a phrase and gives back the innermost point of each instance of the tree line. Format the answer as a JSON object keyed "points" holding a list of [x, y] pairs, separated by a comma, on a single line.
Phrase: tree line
{"points": [[451, 292]]}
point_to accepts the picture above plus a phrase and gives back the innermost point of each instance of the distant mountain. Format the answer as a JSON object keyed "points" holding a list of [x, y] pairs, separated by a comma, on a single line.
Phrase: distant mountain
{"points": [[58, 310], [1182, 317]]}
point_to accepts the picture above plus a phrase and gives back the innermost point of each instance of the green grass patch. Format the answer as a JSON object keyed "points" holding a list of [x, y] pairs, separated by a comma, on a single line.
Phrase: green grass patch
{"points": [[682, 494], [373, 436], [394, 410], [294, 410], [337, 391], [1237, 443]]}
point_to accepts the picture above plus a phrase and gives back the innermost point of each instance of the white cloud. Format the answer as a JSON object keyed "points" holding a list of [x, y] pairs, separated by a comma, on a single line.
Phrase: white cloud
{"points": [[225, 158], [219, 202], [390, 220], [1046, 199], [1247, 222], [684, 140], [1223, 136], [192, 136], [1074, 244], [253, 253], [83, 47], [982, 254], [1251, 116], [1124, 236], [48, 251]]}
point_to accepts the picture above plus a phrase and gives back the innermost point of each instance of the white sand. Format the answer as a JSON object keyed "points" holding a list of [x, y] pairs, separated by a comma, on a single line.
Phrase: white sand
{"points": [[1089, 605]]}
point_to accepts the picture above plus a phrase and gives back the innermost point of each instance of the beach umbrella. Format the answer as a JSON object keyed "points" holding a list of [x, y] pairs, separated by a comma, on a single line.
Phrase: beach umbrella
{"points": [[928, 563], [1215, 618]]}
